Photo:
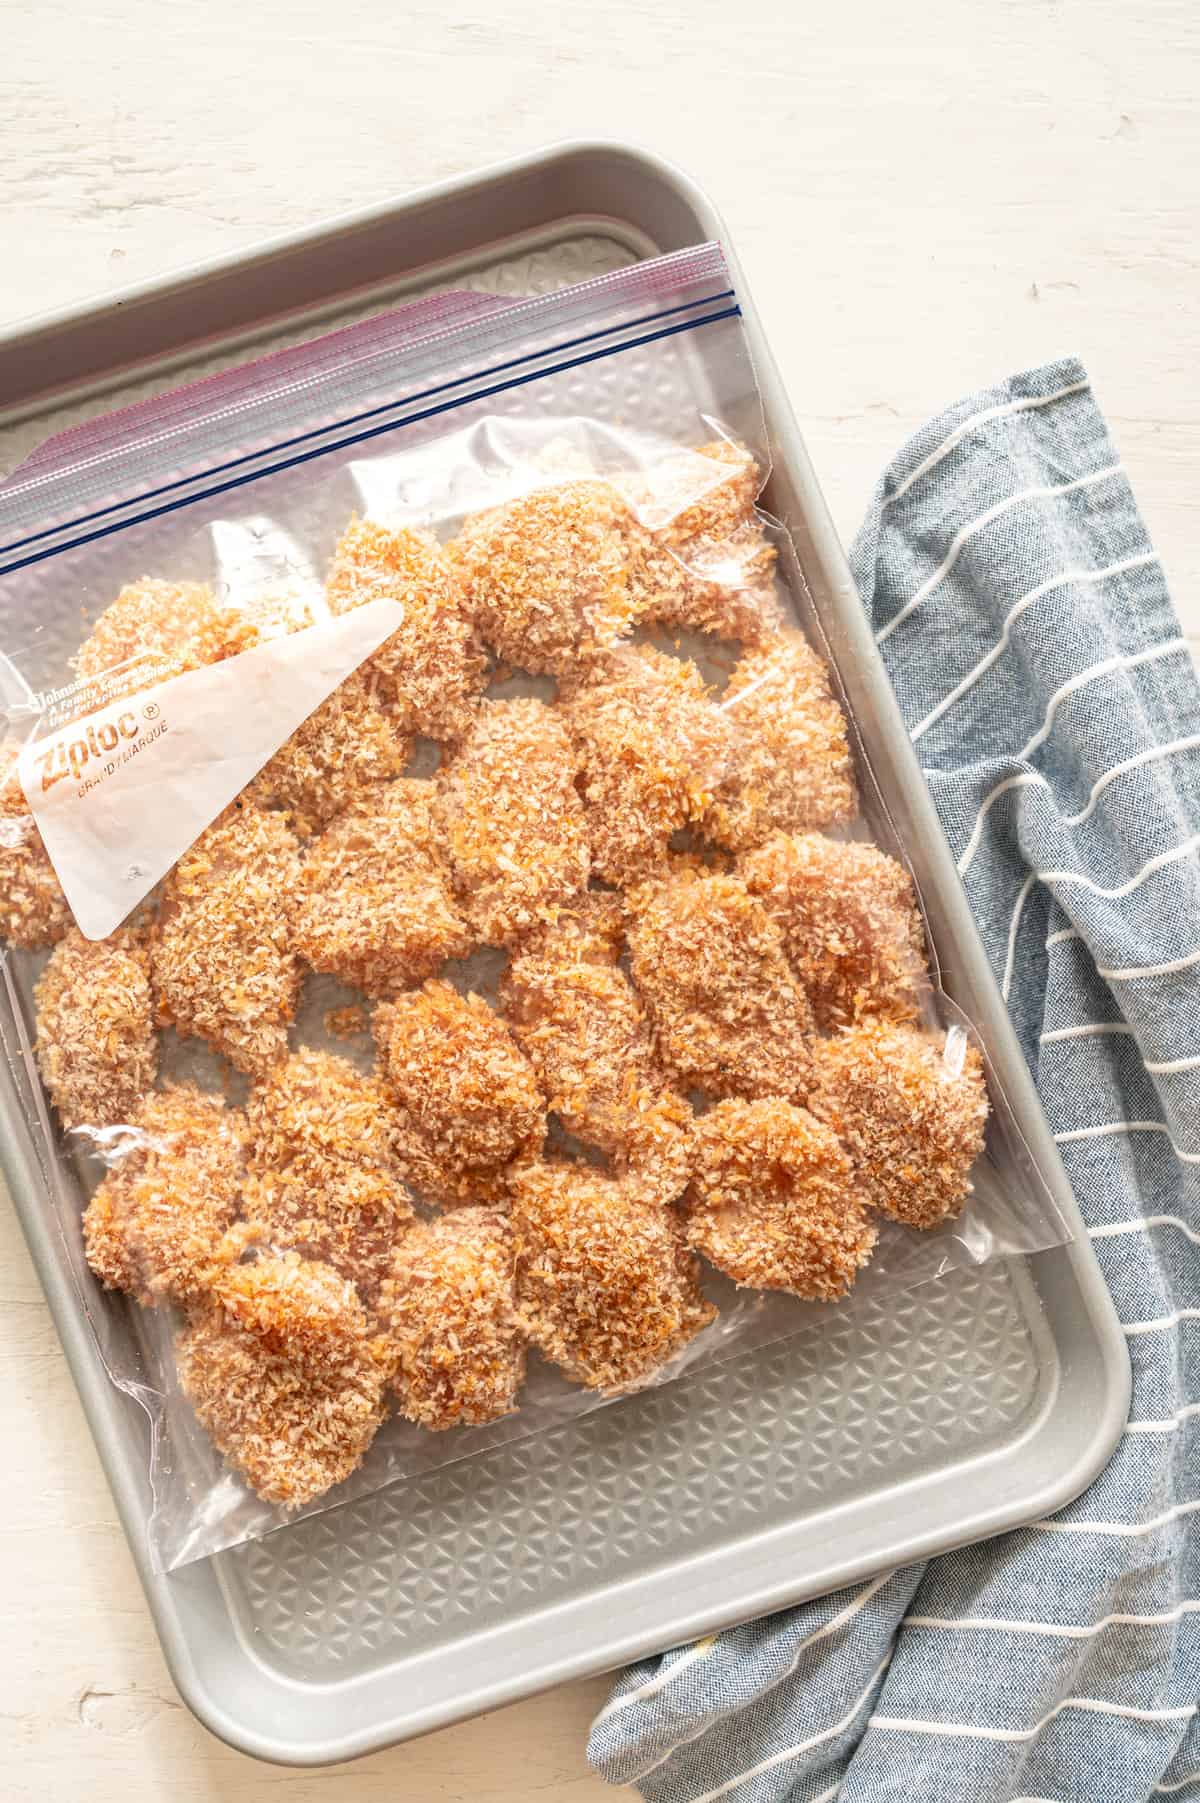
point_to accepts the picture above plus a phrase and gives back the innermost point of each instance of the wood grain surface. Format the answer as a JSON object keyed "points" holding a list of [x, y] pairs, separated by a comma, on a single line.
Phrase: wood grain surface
{"points": [[924, 200]]}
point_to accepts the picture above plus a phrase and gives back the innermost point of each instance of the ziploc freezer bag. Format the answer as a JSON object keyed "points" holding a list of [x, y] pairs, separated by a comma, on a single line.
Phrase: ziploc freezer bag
{"points": [[465, 971]]}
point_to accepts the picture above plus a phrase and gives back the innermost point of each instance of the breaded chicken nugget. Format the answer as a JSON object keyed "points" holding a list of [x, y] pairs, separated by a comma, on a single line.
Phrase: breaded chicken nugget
{"points": [[700, 559], [547, 575], [375, 905], [321, 1167], [221, 955], [791, 770], [432, 665], [466, 1096], [591, 928], [909, 1108], [354, 739], [154, 1224], [33, 908], [687, 499], [284, 1377], [319, 1109], [341, 1215], [654, 750], [450, 1309], [580, 1022], [97, 1049], [708, 961], [513, 819], [162, 629], [605, 1285], [850, 924], [774, 1201]]}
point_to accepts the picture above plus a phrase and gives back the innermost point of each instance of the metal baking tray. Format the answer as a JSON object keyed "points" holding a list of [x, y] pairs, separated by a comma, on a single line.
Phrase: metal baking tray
{"points": [[893, 1428]]}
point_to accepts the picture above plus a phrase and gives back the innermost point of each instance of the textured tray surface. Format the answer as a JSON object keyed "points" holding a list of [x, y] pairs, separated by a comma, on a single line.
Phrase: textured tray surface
{"points": [[872, 1392]]}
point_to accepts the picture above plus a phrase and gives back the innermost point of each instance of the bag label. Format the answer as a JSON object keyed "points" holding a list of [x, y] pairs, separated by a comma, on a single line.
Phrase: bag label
{"points": [[119, 794]]}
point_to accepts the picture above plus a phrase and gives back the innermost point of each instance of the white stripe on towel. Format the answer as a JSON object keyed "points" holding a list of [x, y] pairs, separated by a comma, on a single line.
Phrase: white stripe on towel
{"points": [[1021, 781], [1094, 1705], [1143, 758], [1087, 1031], [1168, 649], [978, 419], [1000, 1624], [1014, 923], [804, 1746], [1163, 858], [1116, 1229], [699, 1650], [1010, 619], [1025, 777], [702, 1648], [1175, 855], [1121, 1530], [1062, 935], [1111, 1127], [1169, 1423], [1134, 1329], [964, 533], [1131, 972]]}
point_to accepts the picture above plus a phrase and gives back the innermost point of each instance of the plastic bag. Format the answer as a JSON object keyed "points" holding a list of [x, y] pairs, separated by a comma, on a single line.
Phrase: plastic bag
{"points": [[454, 646]]}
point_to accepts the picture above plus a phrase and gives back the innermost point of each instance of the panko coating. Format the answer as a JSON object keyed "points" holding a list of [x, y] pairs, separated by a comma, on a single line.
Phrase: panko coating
{"points": [[164, 628], [578, 1019], [513, 819], [221, 954], [154, 1224], [850, 924], [33, 908], [547, 575], [606, 1287], [284, 1377], [465, 1095], [375, 905], [450, 1309], [340, 1215], [909, 1108], [321, 1178], [431, 666], [290, 1303], [317, 1109], [729, 1017], [97, 1049], [654, 749], [791, 770], [700, 560], [354, 739], [774, 1202], [591, 928], [686, 499]]}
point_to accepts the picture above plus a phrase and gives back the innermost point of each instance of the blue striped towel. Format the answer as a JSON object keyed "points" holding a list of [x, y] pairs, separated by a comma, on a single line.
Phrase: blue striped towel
{"points": [[1026, 626]]}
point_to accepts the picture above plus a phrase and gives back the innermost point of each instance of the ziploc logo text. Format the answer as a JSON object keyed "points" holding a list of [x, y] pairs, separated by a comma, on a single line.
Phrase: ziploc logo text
{"points": [[96, 740]]}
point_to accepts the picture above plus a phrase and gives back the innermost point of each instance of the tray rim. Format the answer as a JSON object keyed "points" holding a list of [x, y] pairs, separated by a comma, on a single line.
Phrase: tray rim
{"points": [[106, 1409]]}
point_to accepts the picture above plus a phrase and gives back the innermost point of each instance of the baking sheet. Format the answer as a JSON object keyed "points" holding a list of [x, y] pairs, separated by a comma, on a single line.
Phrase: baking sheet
{"points": [[894, 1425]]}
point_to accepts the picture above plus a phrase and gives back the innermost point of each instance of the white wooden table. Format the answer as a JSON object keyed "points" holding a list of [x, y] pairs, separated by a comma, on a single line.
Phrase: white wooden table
{"points": [[924, 200]]}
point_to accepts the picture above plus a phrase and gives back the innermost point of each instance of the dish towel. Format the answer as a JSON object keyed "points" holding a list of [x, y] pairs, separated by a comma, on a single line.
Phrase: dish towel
{"points": [[1026, 627]]}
